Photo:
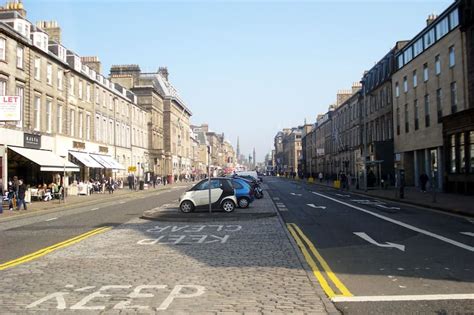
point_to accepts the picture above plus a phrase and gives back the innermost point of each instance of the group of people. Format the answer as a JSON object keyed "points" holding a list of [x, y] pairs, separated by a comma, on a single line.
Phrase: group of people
{"points": [[14, 195]]}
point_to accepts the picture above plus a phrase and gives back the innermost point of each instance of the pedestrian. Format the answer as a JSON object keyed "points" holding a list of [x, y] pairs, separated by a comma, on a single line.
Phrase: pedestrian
{"points": [[110, 185], [21, 195], [423, 180], [11, 195], [320, 176]]}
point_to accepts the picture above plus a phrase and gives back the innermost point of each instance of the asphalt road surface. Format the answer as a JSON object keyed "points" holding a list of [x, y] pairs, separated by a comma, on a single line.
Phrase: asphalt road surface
{"points": [[386, 258]]}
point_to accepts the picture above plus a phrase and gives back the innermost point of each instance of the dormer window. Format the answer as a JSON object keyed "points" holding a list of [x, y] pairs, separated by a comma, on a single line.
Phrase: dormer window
{"points": [[40, 40]]}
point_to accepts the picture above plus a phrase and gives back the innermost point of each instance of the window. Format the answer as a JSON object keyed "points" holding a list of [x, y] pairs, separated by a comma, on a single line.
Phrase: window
{"points": [[19, 56], [104, 130], [437, 65], [427, 110], [462, 152], [3, 43], [88, 127], [71, 85], [397, 90], [49, 108], [415, 79], [453, 19], [97, 128], [442, 28], [72, 116], [405, 84], [20, 91], [80, 89], [452, 155], [97, 100], [60, 118], [37, 117], [454, 98], [408, 54], [60, 79], [49, 74], [111, 132], [400, 61], [407, 128], [104, 99], [439, 105], [471, 152], [418, 47], [37, 68], [3, 87], [429, 38], [452, 57], [415, 110], [81, 122], [425, 72], [88, 92]]}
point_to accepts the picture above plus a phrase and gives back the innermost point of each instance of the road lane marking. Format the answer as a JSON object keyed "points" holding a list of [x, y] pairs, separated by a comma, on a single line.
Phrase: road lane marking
{"points": [[299, 195], [52, 248], [312, 205], [340, 195], [468, 233], [405, 225], [93, 209], [385, 207], [299, 237], [367, 238], [390, 298], [52, 219]]}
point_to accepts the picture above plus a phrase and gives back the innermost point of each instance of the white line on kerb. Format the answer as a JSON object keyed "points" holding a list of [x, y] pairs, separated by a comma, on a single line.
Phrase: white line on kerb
{"points": [[51, 219], [405, 225], [386, 298]]}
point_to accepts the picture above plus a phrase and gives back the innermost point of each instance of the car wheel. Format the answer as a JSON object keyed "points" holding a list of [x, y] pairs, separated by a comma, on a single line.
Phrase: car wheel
{"points": [[228, 206], [186, 206], [244, 202]]}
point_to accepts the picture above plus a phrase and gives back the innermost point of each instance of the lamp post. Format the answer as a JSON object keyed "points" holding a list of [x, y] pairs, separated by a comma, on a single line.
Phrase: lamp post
{"points": [[209, 175]]}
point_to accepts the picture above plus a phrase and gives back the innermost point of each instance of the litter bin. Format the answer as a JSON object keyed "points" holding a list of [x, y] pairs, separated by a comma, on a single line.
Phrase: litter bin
{"points": [[142, 185]]}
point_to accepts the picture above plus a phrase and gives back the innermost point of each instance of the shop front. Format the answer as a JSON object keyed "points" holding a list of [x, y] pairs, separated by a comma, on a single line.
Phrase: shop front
{"points": [[89, 167]]}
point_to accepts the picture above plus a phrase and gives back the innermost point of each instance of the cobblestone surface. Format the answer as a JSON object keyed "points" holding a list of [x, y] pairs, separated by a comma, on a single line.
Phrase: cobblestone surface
{"points": [[235, 267]]}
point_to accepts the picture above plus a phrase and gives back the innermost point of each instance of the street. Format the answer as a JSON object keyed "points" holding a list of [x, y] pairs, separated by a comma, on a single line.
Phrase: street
{"points": [[385, 257], [105, 258]]}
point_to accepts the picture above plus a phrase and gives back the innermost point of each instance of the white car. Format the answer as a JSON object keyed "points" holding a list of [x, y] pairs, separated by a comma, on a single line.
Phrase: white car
{"points": [[222, 195]]}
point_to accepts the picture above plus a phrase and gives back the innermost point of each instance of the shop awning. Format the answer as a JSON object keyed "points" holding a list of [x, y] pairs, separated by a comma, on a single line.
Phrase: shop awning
{"points": [[47, 160], [107, 161], [86, 159]]}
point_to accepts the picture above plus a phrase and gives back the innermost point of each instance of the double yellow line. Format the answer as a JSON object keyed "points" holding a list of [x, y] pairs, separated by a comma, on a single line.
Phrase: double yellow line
{"points": [[52, 248], [323, 277]]}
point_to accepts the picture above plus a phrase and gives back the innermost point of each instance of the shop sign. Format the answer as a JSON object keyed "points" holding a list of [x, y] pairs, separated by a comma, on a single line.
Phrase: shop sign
{"points": [[31, 141], [78, 145], [10, 108], [132, 169], [103, 149]]}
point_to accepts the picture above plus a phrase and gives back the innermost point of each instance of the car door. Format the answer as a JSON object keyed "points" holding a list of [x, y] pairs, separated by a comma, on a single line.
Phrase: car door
{"points": [[201, 193]]}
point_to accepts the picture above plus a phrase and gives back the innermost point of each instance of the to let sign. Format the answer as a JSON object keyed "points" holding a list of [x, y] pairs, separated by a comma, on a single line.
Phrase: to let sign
{"points": [[10, 108]]}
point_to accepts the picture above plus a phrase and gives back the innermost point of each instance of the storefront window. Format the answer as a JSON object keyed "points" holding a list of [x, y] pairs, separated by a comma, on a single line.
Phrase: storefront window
{"points": [[462, 153], [471, 152], [452, 155]]}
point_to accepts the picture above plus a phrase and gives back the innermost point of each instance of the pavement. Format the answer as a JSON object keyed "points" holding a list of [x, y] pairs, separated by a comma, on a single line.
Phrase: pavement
{"points": [[455, 203], [80, 200], [246, 263]]}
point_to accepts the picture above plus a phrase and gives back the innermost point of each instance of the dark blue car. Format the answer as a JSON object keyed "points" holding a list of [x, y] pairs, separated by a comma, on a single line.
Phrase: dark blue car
{"points": [[243, 192]]}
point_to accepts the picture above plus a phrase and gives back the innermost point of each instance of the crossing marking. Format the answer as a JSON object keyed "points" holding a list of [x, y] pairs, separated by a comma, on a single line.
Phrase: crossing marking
{"points": [[405, 225], [468, 233]]}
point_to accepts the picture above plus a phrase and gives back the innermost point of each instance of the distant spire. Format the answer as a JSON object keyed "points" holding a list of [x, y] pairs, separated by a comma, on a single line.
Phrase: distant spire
{"points": [[238, 149], [254, 161]]}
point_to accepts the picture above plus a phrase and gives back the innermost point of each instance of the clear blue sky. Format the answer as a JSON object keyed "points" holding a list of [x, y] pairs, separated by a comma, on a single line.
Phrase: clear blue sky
{"points": [[247, 68]]}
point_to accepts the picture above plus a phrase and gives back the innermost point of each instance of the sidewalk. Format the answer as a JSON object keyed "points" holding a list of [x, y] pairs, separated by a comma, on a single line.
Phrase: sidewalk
{"points": [[456, 203], [71, 201]]}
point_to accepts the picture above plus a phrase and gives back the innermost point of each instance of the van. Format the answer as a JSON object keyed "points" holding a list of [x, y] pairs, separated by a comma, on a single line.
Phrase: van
{"points": [[249, 173]]}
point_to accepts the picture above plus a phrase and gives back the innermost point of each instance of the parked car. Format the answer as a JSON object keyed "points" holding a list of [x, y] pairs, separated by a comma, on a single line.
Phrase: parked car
{"points": [[222, 195], [243, 191], [257, 189], [249, 173]]}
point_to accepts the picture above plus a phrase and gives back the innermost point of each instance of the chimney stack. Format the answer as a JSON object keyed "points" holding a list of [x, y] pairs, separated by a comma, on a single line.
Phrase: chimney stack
{"points": [[52, 28], [93, 63], [431, 18], [164, 72], [15, 5]]}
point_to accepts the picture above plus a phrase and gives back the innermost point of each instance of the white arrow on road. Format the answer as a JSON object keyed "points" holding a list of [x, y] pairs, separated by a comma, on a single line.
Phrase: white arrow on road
{"points": [[299, 195], [372, 241], [468, 233], [314, 206], [385, 207]]}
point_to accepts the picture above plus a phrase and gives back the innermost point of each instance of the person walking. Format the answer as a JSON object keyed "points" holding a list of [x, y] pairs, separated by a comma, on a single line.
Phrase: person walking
{"points": [[423, 180], [11, 195], [320, 176], [21, 195], [110, 185]]}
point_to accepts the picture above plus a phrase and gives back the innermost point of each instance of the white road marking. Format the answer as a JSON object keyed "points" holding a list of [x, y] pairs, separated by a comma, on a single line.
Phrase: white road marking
{"points": [[122, 202], [312, 205], [299, 195], [276, 198], [364, 236], [52, 219], [385, 207], [343, 195], [93, 209], [405, 225], [468, 233], [388, 298]]}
